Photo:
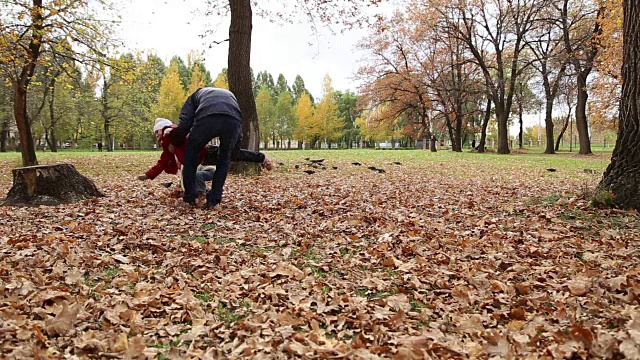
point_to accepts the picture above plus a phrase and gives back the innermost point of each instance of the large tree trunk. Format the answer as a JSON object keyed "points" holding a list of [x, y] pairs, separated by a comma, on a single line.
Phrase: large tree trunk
{"points": [[622, 177], [503, 138], [485, 123], [581, 113], [49, 185], [239, 72]]}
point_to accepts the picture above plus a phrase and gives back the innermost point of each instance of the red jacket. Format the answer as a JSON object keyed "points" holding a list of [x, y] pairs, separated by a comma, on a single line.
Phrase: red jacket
{"points": [[170, 162]]}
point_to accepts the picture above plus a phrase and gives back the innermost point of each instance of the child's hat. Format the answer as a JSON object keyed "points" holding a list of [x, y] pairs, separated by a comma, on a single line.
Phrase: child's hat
{"points": [[161, 124]]}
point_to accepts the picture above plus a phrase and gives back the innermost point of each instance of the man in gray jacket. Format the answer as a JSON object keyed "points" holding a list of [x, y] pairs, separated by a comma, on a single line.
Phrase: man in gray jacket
{"points": [[208, 113]]}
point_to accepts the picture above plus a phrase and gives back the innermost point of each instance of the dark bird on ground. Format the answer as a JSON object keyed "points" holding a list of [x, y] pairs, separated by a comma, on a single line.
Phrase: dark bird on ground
{"points": [[396, 163], [334, 167], [381, 170], [281, 163], [314, 166], [296, 166], [356, 163], [372, 168], [309, 172], [551, 169], [307, 159], [316, 161]]}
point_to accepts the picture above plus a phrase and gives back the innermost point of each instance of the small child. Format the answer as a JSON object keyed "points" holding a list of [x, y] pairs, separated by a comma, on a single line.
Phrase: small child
{"points": [[171, 162]]}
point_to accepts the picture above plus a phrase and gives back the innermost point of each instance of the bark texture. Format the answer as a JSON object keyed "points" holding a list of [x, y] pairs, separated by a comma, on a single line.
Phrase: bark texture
{"points": [[622, 176], [49, 185]]}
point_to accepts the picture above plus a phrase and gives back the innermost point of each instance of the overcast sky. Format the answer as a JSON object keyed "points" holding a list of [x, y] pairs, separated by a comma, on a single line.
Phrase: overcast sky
{"points": [[171, 28]]}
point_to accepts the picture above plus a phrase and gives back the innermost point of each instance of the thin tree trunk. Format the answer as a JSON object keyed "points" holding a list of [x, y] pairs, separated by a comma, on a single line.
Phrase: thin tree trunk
{"points": [[622, 176], [564, 128], [52, 117], [24, 128], [22, 84], [548, 122], [485, 123], [521, 127], [4, 135]]}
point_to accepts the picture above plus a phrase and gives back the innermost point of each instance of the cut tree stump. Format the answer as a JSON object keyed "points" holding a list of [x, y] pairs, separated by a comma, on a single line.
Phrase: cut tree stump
{"points": [[49, 185]]}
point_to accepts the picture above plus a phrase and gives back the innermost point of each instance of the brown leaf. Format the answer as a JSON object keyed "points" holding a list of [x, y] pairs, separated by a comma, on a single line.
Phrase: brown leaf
{"points": [[288, 269], [579, 287], [518, 314], [64, 320]]}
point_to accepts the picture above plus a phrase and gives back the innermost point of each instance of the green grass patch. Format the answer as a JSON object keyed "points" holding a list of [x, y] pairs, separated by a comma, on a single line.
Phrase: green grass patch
{"points": [[209, 226], [312, 256], [318, 271], [223, 240], [203, 296], [111, 272], [226, 315], [199, 238]]}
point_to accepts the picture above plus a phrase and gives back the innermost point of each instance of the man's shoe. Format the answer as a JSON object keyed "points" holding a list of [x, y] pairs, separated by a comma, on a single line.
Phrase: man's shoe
{"points": [[209, 205]]}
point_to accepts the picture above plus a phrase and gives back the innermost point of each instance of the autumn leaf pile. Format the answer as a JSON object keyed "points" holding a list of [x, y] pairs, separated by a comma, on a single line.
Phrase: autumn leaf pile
{"points": [[452, 257]]}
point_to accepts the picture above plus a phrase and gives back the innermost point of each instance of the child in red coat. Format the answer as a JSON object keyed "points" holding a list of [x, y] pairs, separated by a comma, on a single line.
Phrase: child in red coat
{"points": [[171, 162]]}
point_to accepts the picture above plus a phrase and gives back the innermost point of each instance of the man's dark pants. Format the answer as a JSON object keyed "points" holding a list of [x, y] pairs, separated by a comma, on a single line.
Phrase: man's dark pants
{"points": [[229, 130]]}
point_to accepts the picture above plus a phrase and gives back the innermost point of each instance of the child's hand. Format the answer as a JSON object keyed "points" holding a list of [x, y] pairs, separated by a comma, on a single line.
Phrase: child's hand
{"points": [[172, 149], [142, 177]]}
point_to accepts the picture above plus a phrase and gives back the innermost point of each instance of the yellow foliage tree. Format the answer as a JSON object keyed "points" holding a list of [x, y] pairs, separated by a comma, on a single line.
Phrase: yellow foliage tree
{"points": [[266, 115], [326, 121], [221, 82], [197, 79], [171, 97], [304, 113], [375, 125]]}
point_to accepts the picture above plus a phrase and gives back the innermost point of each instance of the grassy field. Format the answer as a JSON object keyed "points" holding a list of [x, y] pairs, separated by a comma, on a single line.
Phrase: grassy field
{"points": [[444, 255]]}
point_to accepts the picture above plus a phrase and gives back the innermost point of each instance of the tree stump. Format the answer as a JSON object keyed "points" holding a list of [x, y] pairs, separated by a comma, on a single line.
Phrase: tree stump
{"points": [[49, 185]]}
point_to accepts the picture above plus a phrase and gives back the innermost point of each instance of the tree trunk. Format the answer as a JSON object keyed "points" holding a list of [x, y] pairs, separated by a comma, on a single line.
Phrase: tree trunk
{"points": [[564, 128], [581, 113], [108, 136], [24, 128], [22, 84], [52, 117], [622, 176], [521, 132], [239, 71], [49, 185], [485, 123], [503, 138], [548, 122], [457, 147], [4, 136]]}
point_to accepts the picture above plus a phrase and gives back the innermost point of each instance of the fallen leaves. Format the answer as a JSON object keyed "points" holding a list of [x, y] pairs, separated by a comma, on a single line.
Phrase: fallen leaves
{"points": [[351, 263], [64, 320]]}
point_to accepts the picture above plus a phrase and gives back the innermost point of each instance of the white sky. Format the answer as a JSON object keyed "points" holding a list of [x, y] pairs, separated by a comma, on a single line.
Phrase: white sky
{"points": [[169, 28]]}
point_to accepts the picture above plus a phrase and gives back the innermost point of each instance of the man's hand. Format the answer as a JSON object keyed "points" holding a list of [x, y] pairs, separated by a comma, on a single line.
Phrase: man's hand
{"points": [[172, 149], [143, 177]]}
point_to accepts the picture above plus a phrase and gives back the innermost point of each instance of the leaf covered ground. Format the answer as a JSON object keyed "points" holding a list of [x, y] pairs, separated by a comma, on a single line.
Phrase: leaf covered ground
{"points": [[442, 256]]}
